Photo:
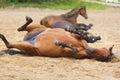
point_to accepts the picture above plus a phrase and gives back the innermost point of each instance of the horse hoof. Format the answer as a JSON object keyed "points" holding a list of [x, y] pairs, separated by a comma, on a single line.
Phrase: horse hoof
{"points": [[90, 25], [20, 29], [29, 19], [1, 36], [93, 39]]}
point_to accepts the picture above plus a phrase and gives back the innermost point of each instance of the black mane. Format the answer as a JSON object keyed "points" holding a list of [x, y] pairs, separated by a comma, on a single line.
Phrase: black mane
{"points": [[72, 12]]}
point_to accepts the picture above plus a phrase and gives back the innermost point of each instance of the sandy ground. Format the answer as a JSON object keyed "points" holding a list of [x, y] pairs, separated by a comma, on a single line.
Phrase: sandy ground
{"points": [[21, 67]]}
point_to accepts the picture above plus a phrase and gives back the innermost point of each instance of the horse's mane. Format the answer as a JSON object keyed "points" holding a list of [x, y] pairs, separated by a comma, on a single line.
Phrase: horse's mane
{"points": [[72, 12]]}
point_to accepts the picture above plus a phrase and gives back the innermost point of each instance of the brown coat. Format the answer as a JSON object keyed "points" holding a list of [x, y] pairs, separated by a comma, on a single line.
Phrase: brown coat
{"points": [[40, 41]]}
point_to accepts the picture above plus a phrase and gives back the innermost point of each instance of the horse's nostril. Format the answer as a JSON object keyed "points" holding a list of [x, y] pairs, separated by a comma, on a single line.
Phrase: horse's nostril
{"points": [[111, 54], [86, 17]]}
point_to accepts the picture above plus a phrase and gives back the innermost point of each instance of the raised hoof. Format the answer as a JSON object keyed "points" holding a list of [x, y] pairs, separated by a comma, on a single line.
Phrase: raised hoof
{"points": [[20, 29], [29, 19], [5, 41], [1, 36]]}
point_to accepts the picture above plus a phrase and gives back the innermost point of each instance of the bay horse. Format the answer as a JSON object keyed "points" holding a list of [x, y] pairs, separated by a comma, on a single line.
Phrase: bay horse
{"points": [[70, 17], [42, 41], [64, 25]]}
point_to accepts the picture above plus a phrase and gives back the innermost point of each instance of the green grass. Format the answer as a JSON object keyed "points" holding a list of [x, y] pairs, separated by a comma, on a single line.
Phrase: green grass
{"points": [[63, 4]]}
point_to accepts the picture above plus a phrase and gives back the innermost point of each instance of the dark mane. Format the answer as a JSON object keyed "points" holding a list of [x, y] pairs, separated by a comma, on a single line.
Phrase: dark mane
{"points": [[72, 12]]}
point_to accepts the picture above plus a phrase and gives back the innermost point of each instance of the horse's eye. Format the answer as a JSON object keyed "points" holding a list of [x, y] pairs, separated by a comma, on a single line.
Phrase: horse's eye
{"points": [[41, 22]]}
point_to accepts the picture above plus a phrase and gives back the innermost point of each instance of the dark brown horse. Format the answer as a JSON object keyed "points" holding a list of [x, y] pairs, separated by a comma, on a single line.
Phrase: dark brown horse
{"points": [[41, 41], [69, 17], [64, 25]]}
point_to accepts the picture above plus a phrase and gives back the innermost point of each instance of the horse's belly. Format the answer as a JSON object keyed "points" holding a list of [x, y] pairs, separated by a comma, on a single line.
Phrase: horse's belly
{"points": [[32, 36], [62, 24]]}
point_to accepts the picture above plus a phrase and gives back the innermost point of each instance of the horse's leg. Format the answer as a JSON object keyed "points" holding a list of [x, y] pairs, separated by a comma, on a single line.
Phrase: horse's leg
{"points": [[81, 54], [28, 21], [83, 34], [25, 47], [85, 27], [32, 27], [63, 44], [5, 41]]}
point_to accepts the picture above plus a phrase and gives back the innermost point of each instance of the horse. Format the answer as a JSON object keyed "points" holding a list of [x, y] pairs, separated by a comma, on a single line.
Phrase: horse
{"points": [[50, 42], [70, 17], [64, 25]]}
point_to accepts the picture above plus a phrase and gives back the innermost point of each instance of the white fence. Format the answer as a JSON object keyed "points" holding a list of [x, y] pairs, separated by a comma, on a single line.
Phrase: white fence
{"points": [[111, 1]]}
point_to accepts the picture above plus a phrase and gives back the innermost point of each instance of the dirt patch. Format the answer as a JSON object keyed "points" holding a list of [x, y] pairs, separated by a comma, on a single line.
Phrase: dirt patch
{"points": [[20, 67]]}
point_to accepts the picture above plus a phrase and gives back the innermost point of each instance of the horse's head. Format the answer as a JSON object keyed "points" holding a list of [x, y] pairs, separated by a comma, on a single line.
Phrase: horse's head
{"points": [[101, 54], [82, 11]]}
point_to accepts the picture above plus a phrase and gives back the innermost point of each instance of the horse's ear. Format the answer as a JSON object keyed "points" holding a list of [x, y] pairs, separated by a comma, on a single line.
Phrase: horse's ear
{"points": [[110, 49], [83, 7], [41, 22]]}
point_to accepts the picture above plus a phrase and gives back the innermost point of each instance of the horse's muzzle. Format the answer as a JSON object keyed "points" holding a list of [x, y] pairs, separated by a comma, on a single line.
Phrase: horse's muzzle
{"points": [[86, 17]]}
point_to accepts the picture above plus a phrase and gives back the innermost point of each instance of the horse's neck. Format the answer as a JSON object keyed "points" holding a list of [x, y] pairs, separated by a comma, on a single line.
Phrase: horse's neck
{"points": [[71, 18]]}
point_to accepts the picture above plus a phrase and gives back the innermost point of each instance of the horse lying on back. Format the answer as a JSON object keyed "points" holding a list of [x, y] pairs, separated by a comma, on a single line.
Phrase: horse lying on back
{"points": [[69, 17], [56, 42]]}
